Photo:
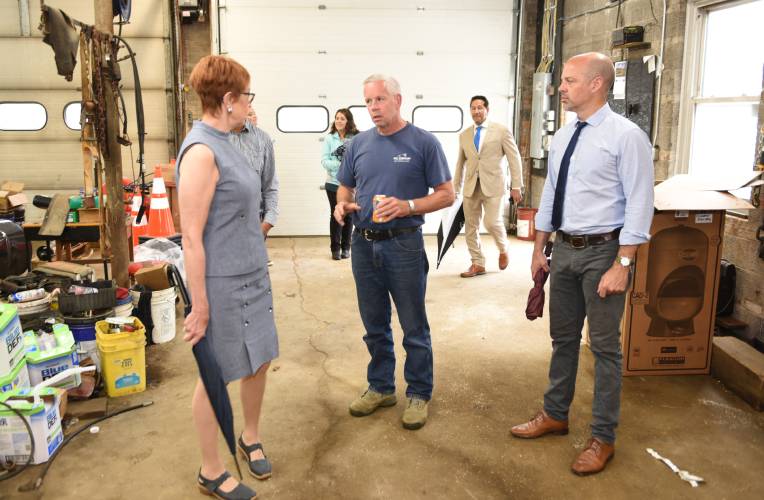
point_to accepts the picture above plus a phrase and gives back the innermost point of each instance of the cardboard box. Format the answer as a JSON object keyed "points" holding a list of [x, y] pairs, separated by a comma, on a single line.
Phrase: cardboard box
{"points": [[89, 214], [668, 321], [44, 418], [154, 278], [168, 173], [11, 195]]}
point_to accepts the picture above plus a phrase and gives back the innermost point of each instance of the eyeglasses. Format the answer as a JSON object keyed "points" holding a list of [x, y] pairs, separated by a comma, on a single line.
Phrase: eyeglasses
{"points": [[250, 96]]}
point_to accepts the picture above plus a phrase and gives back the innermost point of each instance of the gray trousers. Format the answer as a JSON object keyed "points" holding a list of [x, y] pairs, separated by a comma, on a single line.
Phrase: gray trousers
{"points": [[575, 275]]}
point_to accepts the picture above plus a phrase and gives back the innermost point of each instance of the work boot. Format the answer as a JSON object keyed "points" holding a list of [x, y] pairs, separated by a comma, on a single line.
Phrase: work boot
{"points": [[415, 415], [474, 270], [369, 401]]}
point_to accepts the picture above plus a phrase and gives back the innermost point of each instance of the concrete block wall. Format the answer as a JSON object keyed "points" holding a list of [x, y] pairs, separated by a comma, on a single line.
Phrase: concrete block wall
{"points": [[592, 32]]}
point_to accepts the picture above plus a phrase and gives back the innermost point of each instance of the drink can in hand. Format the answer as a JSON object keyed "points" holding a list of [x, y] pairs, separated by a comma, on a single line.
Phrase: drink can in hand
{"points": [[374, 203]]}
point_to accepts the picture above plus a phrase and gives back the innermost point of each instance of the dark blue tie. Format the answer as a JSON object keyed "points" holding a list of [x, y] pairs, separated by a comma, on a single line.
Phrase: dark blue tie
{"points": [[562, 178], [477, 138]]}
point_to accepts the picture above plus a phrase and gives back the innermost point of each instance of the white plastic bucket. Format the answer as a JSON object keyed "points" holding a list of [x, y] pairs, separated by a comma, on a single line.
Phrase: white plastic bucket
{"points": [[124, 310], [163, 315]]}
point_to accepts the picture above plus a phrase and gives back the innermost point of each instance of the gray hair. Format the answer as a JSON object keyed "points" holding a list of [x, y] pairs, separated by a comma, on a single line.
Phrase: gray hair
{"points": [[391, 84]]}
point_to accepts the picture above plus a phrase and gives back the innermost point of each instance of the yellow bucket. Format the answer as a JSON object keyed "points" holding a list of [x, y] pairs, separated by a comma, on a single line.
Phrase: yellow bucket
{"points": [[123, 359]]}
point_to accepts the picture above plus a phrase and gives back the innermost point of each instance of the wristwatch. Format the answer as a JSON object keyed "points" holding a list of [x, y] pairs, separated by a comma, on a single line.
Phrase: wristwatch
{"points": [[624, 261], [411, 207]]}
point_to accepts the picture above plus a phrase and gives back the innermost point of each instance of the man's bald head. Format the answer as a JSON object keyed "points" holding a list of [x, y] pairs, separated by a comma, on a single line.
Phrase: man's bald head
{"points": [[595, 64], [585, 82]]}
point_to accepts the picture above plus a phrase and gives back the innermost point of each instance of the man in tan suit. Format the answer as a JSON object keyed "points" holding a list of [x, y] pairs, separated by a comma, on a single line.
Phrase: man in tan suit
{"points": [[481, 148]]}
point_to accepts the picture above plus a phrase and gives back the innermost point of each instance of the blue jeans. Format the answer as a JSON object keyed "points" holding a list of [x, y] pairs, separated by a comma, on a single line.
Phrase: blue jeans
{"points": [[573, 297], [394, 268]]}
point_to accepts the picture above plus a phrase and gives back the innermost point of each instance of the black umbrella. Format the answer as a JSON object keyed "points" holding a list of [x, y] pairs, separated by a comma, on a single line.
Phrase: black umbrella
{"points": [[450, 226], [535, 307], [209, 371]]}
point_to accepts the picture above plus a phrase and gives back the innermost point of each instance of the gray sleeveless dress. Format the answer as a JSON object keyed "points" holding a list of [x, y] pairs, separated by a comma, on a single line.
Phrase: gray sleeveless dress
{"points": [[241, 329]]}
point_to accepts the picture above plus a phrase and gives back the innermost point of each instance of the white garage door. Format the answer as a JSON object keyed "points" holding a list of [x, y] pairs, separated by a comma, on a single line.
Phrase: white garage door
{"points": [[49, 160], [304, 54]]}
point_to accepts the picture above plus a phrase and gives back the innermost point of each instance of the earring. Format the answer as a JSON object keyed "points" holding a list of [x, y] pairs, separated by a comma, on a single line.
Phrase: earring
{"points": [[230, 109]]}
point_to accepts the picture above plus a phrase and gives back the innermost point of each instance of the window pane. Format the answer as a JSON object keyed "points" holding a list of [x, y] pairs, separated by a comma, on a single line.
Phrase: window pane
{"points": [[22, 116], [438, 118], [302, 119], [734, 51], [724, 139], [72, 115], [361, 118]]}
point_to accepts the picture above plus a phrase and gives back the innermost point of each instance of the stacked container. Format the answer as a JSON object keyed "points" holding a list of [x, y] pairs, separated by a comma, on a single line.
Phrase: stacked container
{"points": [[13, 369], [123, 358]]}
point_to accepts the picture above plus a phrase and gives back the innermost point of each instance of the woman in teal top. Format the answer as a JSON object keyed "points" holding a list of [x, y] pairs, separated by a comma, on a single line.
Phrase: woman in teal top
{"points": [[343, 129]]}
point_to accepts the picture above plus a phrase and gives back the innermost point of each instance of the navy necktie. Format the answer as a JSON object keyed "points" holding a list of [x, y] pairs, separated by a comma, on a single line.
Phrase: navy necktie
{"points": [[477, 138], [562, 178]]}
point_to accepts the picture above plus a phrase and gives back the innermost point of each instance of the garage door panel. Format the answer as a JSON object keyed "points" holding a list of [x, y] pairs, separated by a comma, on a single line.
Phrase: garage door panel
{"points": [[370, 7], [55, 101], [308, 31], [279, 43], [58, 164], [36, 67], [336, 77], [146, 16]]}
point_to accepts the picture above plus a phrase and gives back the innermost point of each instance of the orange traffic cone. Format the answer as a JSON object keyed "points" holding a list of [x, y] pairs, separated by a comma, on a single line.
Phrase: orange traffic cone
{"points": [[160, 222], [139, 228]]}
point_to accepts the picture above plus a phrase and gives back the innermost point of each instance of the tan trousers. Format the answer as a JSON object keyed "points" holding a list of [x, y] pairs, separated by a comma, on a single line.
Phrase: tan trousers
{"points": [[474, 207]]}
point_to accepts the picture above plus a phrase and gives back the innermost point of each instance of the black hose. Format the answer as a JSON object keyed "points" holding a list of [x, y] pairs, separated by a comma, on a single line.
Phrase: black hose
{"points": [[21, 469], [37, 483], [139, 116]]}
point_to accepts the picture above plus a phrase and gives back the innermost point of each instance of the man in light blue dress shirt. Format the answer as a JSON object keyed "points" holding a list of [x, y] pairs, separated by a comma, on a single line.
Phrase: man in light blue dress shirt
{"points": [[598, 198]]}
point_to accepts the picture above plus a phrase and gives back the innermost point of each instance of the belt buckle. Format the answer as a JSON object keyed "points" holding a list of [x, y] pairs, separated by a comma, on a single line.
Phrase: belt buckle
{"points": [[577, 241], [366, 233]]}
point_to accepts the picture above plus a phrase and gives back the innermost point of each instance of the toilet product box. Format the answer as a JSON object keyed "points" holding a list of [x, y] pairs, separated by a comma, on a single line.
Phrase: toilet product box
{"points": [[668, 322], [43, 362], [44, 418], [11, 339], [18, 378]]}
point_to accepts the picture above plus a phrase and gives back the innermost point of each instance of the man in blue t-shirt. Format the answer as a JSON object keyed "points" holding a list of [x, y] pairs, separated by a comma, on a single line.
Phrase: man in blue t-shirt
{"points": [[401, 162]]}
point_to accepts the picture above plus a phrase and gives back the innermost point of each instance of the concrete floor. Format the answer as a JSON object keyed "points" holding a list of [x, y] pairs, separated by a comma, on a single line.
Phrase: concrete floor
{"points": [[490, 373]]}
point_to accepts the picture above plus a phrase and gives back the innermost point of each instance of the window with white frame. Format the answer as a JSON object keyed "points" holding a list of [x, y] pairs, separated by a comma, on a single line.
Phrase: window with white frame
{"points": [[22, 116], [305, 119], [724, 61], [361, 118], [72, 112]]}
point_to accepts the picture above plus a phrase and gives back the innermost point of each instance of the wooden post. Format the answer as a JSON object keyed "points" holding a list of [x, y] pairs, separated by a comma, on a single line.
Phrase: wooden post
{"points": [[115, 211]]}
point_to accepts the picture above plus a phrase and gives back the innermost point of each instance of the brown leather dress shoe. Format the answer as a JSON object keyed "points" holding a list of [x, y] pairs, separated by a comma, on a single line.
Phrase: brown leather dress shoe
{"points": [[503, 261], [594, 458], [473, 271], [540, 425]]}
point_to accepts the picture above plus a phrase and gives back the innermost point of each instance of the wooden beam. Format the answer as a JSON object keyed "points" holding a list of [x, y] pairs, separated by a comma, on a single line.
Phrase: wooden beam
{"points": [[115, 212]]}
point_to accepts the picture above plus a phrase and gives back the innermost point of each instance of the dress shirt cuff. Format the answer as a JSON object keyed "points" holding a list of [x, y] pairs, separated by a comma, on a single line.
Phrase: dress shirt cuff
{"points": [[628, 237], [543, 223]]}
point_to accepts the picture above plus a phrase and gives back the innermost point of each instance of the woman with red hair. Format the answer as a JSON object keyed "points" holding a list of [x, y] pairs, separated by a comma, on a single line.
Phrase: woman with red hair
{"points": [[226, 265]]}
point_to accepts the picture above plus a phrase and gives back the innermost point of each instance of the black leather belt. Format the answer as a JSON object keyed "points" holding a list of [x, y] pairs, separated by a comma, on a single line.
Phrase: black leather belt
{"points": [[384, 234], [585, 240]]}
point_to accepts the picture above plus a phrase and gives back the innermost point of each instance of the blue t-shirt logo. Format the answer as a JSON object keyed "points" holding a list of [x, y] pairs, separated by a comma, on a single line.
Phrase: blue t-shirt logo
{"points": [[401, 158]]}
